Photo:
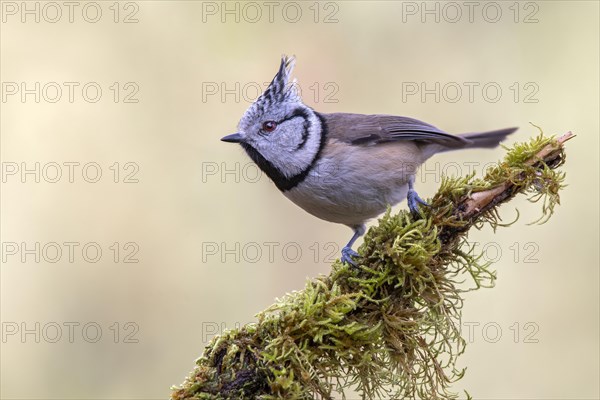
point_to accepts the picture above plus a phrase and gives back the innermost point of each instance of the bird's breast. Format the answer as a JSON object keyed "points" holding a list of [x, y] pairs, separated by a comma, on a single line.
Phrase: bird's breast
{"points": [[351, 184]]}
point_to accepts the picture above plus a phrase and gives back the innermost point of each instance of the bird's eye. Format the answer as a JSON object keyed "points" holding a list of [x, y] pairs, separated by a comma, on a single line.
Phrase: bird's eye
{"points": [[269, 126]]}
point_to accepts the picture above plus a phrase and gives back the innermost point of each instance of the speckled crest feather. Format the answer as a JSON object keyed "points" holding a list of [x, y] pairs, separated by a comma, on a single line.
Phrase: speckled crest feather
{"points": [[280, 90]]}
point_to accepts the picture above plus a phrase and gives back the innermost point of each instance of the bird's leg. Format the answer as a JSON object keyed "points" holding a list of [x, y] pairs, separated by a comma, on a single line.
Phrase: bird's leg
{"points": [[347, 252], [413, 198]]}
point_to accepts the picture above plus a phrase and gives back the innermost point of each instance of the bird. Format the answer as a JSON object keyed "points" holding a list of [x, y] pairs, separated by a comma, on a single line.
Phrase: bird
{"points": [[342, 167]]}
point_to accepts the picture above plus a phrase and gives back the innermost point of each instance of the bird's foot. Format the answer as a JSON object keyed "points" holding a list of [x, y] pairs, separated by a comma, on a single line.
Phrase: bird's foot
{"points": [[347, 254], [414, 200]]}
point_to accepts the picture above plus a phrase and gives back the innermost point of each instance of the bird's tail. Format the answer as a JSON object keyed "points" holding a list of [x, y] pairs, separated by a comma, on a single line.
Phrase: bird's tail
{"points": [[479, 140], [487, 140]]}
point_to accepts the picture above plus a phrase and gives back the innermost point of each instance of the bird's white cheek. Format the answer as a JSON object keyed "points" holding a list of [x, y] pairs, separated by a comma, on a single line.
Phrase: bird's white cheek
{"points": [[283, 139]]}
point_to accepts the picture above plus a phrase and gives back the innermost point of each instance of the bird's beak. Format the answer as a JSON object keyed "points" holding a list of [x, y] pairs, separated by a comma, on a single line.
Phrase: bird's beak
{"points": [[233, 138]]}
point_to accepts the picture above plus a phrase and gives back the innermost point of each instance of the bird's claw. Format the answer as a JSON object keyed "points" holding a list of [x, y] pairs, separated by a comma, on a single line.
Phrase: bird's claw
{"points": [[347, 254], [414, 200]]}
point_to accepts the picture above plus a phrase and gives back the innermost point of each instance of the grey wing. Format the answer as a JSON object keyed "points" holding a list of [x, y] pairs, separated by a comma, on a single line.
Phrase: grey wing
{"points": [[358, 129]]}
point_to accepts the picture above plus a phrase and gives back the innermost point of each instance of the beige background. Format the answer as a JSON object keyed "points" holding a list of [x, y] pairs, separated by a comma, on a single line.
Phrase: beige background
{"points": [[177, 295]]}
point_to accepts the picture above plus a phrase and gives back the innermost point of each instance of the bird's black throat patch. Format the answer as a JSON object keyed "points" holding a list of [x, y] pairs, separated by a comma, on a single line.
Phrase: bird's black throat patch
{"points": [[282, 182]]}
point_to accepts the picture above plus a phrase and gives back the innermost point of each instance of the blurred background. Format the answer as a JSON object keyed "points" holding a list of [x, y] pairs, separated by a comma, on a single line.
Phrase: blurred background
{"points": [[131, 235]]}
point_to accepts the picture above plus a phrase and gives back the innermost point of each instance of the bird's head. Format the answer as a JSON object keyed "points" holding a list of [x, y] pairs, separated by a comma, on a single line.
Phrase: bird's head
{"points": [[278, 131]]}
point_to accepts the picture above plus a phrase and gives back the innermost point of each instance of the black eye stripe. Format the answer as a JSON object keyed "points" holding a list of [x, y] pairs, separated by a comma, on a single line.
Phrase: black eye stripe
{"points": [[298, 112], [288, 119]]}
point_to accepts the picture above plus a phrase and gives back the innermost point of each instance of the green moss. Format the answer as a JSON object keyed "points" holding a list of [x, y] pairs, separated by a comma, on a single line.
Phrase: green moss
{"points": [[390, 328]]}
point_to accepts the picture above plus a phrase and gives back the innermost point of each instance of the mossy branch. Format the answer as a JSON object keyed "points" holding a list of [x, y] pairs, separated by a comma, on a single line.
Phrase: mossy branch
{"points": [[391, 327]]}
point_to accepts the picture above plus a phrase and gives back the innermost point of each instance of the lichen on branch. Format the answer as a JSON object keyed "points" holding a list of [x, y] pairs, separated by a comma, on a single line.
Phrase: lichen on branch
{"points": [[390, 328]]}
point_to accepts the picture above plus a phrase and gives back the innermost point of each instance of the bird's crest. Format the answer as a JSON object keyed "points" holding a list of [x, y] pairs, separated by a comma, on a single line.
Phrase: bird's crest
{"points": [[280, 89]]}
